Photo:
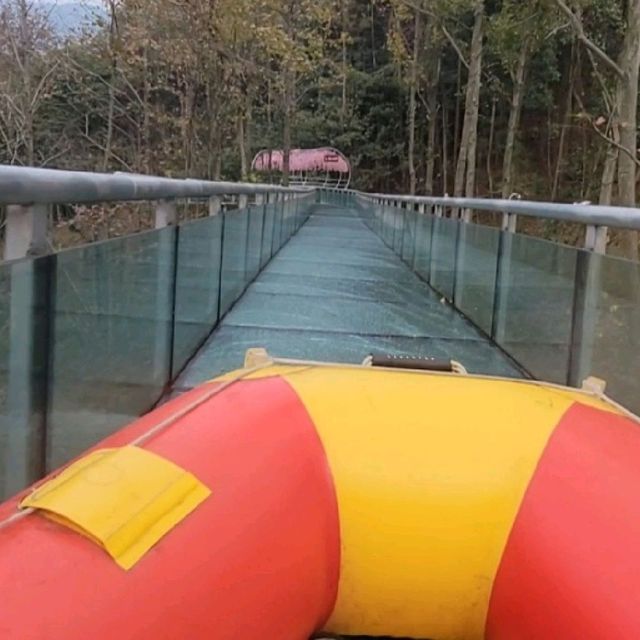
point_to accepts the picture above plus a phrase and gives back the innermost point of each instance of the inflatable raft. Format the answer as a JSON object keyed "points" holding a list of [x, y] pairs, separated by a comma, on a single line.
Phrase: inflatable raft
{"points": [[292, 498]]}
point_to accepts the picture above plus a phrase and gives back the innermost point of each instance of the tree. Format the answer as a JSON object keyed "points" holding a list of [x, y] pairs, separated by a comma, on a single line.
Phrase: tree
{"points": [[625, 108], [466, 168]]}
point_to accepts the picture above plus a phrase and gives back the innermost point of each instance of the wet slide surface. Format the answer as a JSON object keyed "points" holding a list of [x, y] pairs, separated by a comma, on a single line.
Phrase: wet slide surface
{"points": [[337, 293]]}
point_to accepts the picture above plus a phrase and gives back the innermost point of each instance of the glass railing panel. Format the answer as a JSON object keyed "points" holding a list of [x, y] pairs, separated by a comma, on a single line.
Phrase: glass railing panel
{"points": [[378, 220], [254, 242], [476, 271], [111, 338], [197, 287], [5, 356], [607, 331], [286, 223], [422, 258], [25, 295], [267, 236], [535, 301], [387, 225], [277, 227], [234, 253], [443, 255], [409, 236], [398, 230]]}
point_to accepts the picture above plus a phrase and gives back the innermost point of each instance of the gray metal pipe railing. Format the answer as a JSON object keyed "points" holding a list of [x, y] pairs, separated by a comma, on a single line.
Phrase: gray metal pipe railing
{"points": [[29, 193], [597, 219], [591, 300], [587, 214], [28, 185], [152, 298]]}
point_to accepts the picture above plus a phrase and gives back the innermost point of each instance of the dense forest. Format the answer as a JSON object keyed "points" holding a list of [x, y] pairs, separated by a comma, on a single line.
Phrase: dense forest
{"points": [[465, 97]]}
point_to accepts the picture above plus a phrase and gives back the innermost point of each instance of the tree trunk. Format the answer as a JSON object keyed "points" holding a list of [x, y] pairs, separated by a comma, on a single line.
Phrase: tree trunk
{"points": [[242, 148], [413, 88], [456, 115], [112, 89], [289, 81], [431, 143], [146, 116], [188, 128], [563, 130], [628, 105], [492, 134], [445, 148], [609, 171], [343, 38], [514, 121], [466, 168]]}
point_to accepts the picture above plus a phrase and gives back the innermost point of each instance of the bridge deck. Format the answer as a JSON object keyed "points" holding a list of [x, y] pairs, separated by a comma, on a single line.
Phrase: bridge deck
{"points": [[336, 293]]}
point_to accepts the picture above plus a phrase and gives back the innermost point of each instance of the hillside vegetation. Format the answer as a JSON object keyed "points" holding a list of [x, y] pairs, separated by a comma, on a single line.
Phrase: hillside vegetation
{"points": [[465, 97]]}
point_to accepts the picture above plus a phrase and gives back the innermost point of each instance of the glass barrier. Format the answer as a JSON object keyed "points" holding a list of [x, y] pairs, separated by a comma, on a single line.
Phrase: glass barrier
{"points": [[534, 306], [409, 236], [277, 228], [562, 313], [25, 321], [443, 255], [111, 339], [197, 287], [606, 338], [267, 236], [254, 242], [422, 251], [234, 258], [91, 337], [476, 265]]}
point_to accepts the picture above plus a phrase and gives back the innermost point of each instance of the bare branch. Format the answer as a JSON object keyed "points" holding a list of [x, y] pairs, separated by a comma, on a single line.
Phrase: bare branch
{"points": [[115, 156], [582, 36], [585, 116], [455, 46], [443, 28]]}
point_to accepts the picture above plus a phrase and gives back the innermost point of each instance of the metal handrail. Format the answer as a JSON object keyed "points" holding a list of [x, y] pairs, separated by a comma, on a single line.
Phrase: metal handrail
{"points": [[588, 214], [29, 193], [29, 185]]}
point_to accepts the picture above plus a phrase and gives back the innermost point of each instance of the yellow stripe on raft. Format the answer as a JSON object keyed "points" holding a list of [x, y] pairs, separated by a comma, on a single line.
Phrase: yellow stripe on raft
{"points": [[125, 500], [429, 471]]}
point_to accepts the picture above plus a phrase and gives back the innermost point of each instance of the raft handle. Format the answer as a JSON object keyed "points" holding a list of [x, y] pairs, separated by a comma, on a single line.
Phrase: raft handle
{"points": [[415, 363]]}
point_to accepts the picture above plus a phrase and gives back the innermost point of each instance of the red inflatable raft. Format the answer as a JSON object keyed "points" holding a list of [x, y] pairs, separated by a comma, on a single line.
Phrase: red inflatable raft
{"points": [[288, 499]]}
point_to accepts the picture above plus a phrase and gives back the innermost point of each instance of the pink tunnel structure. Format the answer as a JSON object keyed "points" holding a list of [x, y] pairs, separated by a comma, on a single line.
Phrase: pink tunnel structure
{"points": [[324, 166]]}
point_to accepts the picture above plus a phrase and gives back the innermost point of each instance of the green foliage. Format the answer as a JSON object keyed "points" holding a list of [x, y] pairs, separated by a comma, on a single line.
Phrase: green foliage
{"points": [[196, 87]]}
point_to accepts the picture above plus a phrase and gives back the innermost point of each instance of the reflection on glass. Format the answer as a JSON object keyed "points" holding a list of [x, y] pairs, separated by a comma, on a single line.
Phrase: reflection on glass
{"points": [[476, 266], [112, 337], [197, 286]]}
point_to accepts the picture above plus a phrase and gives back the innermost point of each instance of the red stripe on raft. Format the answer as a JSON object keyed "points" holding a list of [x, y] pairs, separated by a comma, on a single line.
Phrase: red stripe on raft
{"points": [[258, 559], [571, 568]]}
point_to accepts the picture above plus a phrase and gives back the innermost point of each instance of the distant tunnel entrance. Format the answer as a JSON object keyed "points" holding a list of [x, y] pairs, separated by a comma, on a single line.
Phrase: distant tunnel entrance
{"points": [[322, 167]]}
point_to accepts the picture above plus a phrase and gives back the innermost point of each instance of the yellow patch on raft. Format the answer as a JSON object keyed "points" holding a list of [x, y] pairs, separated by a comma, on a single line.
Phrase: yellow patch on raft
{"points": [[125, 500], [430, 471]]}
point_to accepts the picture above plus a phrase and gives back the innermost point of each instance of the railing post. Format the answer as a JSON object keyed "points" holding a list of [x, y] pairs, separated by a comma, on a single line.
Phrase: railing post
{"points": [[588, 282], [215, 205], [501, 294], [243, 201], [509, 222], [166, 214], [596, 239], [459, 264], [26, 231], [31, 321]]}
